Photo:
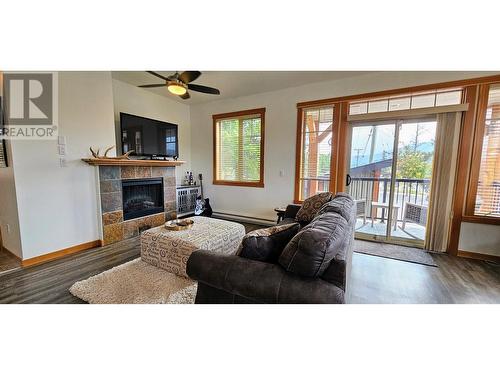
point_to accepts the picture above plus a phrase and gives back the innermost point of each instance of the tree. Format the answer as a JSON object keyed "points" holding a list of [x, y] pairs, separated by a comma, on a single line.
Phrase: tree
{"points": [[324, 164], [414, 164]]}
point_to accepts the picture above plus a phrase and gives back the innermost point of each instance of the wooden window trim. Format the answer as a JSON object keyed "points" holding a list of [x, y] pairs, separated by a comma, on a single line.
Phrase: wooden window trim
{"points": [[477, 148], [414, 89], [298, 155], [463, 163], [342, 147], [481, 219], [249, 112]]}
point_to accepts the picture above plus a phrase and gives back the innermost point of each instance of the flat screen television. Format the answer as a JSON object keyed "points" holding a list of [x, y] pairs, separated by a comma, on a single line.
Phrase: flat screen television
{"points": [[148, 137]]}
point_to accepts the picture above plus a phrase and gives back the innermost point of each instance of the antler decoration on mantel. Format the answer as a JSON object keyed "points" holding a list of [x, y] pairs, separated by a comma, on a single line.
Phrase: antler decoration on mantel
{"points": [[96, 155]]}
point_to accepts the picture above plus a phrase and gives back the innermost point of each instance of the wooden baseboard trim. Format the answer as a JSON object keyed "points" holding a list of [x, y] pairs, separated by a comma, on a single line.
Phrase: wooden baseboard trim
{"points": [[472, 255], [60, 253], [11, 253]]}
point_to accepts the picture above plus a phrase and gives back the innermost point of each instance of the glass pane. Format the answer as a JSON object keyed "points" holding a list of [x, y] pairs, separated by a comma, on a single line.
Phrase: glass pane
{"points": [[228, 150], [358, 108], [448, 98], [488, 188], [413, 179], [251, 149], [316, 151], [370, 171], [378, 106], [423, 101], [310, 187], [399, 104]]}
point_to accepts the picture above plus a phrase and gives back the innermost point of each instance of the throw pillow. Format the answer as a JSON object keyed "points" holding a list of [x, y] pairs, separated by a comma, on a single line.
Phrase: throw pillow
{"points": [[311, 206], [266, 244]]}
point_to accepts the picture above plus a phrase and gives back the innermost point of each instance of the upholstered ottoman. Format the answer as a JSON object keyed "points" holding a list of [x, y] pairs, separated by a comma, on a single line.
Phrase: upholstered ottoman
{"points": [[170, 250]]}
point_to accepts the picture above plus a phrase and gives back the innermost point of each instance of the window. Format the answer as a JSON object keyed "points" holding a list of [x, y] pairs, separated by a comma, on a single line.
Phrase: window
{"points": [[487, 154], [413, 101], [239, 148], [315, 138]]}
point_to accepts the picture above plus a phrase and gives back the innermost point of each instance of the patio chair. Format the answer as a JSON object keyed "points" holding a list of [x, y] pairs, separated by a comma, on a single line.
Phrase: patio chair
{"points": [[361, 209], [414, 213]]}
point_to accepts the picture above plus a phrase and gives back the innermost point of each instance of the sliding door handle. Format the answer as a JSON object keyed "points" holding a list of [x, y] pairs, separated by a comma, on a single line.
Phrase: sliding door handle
{"points": [[348, 180]]}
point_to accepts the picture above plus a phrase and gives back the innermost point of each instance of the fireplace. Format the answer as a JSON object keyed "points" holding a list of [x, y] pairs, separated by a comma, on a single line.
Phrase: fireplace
{"points": [[142, 197]]}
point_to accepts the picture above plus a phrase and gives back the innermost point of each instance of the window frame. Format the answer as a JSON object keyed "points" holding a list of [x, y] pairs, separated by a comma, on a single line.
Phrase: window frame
{"points": [[334, 160], [233, 115], [475, 160]]}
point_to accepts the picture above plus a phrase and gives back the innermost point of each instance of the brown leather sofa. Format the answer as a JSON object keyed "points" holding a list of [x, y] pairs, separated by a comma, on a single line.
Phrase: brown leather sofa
{"points": [[313, 268]]}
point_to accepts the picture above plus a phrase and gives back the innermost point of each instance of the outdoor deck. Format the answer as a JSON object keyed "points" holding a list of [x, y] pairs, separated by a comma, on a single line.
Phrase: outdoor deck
{"points": [[412, 230], [370, 190]]}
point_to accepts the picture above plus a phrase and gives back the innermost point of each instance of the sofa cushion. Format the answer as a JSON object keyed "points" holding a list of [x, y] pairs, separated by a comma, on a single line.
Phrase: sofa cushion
{"points": [[266, 244], [311, 250], [311, 206], [342, 204]]}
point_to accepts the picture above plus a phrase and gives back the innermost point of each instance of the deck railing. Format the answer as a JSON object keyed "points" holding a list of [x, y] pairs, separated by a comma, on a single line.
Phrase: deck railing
{"points": [[378, 189]]}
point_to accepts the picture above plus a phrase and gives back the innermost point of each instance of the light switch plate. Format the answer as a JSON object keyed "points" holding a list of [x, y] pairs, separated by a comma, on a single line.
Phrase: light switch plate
{"points": [[282, 173], [61, 149], [61, 140]]}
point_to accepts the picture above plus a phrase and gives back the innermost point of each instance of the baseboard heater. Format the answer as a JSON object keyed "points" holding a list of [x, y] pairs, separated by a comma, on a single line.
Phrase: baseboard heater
{"points": [[242, 218]]}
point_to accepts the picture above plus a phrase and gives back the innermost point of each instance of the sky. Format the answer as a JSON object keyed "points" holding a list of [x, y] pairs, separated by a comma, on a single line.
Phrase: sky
{"points": [[362, 139]]}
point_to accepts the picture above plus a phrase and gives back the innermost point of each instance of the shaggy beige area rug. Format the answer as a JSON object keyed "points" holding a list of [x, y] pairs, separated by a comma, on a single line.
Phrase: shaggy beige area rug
{"points": [[135, 282]]}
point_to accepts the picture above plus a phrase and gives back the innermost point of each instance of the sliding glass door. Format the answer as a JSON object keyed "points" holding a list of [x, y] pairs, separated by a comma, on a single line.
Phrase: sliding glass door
{"points": [[369, 178], [389, 177], [413, 172]]}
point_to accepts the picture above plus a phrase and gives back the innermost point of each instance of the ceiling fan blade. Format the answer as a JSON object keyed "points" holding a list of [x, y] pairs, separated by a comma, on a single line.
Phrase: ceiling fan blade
{"points": [[154, 85], [189, 76], [157, 75], [204, 89], [186, 95]]}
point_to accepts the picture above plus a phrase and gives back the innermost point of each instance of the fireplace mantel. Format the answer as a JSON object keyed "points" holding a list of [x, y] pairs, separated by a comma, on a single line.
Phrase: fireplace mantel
{"points": [[135, 162]]}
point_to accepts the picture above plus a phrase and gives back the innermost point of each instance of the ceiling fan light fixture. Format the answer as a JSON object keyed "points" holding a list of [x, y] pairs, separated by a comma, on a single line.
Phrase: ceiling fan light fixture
{"points": [[176, 88]]}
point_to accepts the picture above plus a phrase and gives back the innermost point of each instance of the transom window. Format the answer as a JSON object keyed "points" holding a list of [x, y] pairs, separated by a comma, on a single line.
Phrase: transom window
{"points": [[239, 148], [412, 101]]}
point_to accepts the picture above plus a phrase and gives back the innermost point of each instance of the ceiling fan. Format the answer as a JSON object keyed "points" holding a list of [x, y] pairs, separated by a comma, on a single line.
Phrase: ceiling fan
{"points": [[179, 84]]}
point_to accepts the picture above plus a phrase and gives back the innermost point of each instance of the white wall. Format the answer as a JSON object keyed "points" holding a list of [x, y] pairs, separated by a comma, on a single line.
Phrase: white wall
{"points": [[57, 206], [480, 238], [9, 221], [281, 115], [137, 101]]}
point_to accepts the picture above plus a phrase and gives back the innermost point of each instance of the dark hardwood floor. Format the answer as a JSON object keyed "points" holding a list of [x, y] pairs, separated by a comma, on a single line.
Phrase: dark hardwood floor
{"points": [[455, 280], [8, 261], [49, 282], [374, 279]]}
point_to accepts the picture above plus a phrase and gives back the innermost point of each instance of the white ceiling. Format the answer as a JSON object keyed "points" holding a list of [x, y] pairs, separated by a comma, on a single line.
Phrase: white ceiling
{"points": [[234, 84]]}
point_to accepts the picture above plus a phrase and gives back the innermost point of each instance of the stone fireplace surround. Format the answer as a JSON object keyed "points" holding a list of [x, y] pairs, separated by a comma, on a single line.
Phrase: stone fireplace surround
{"points": [[114, 227]]}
